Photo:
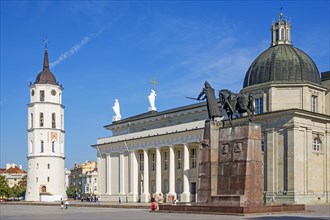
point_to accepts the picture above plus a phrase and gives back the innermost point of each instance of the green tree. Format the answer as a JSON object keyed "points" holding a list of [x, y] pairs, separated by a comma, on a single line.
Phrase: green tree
{"points": [[71, 191], [4, 188]]}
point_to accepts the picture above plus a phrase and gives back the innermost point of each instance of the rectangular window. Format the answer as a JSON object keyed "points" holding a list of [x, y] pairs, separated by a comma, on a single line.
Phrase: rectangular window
{"points": [[314, 103], [42, 95], [48, 166], [179, 160], [95, 180], [41, 147], [41, 119], [153, 165], [165, 160], [259, 105], [141, 162], [53, 120], [53, 146], [193, 158], [48, 179], [316, 145]]}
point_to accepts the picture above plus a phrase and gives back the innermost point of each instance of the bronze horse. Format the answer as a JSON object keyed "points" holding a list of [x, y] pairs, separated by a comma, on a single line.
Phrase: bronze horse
{"points": [[236, 103]]}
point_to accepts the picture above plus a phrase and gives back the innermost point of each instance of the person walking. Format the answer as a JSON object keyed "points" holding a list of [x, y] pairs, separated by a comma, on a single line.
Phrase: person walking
{"points": [[66, 204], [62, 204]]}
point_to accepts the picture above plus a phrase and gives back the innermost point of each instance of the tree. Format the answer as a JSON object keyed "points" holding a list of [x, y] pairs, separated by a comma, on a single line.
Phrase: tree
{"points": [[71, 191], [4, 188]]}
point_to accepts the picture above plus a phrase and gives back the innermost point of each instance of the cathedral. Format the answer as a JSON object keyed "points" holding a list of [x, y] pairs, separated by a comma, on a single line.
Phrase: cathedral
{"points": [[158, 152], [45, 181]]}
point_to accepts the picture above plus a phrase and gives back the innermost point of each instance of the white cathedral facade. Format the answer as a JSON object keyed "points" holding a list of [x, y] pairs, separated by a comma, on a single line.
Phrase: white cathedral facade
{"points": [[45, 180], [158, 152]]}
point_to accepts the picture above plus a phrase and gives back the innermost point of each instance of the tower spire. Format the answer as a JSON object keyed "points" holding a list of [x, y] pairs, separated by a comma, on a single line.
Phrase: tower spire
{"points": [[46, 61], [281, 31]]}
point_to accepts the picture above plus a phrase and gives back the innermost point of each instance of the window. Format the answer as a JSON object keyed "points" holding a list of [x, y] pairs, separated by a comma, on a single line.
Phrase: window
{"points": [[95, 180], [36, 179], [165, 160], [179, 166], [31, 121], [53, 146], [42, 95], [262, 142], [141, 162], [37, 166], [41, 119], [48, 179], [48, 166], [53, 120], [314, 103], [41, 146], [316, 144], [95, 188], [259, 105], [282, 34], [193, 158], [153, 164]]}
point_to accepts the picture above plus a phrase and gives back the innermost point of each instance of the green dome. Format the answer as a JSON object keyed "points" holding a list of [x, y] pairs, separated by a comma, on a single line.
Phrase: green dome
{"points": [[282, 63]]}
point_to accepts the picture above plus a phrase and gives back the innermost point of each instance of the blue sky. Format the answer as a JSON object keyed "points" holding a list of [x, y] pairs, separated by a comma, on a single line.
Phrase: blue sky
{"points": [[121, 45]]}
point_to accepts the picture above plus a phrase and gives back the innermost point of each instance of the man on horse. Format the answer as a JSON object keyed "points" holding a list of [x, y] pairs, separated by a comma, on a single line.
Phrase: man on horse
{"points": [[211, 102]]}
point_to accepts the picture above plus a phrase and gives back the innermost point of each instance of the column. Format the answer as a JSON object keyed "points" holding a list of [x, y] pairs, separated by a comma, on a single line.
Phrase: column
{"points": [[101, 172], [133, 170], [185, 196], [108, 168], [171, 172], [158, 172], [121, 173], [145, 196]]}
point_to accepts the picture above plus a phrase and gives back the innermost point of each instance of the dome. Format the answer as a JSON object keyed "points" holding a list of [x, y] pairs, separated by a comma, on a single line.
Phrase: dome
{"points": [[46, 76], [282, 63]]}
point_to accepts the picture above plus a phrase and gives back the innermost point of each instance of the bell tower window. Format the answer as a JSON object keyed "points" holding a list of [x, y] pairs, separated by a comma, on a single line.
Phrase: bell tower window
{"points": [[282, 34], [314, 103], [41, 146], [42, 95], [53, 120], [41, 119]]}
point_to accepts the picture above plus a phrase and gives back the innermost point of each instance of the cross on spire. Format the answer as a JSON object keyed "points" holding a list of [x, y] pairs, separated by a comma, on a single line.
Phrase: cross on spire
{"points": [[154, 82], [281, 13], [46, 42]]}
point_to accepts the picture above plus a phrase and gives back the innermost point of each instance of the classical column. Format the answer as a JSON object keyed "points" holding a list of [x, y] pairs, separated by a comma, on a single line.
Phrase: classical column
{"points": [[158, 172], [171, 172], [121, 173], [101, 173], [145, 197], [108, 168], [133, 170], [185, 196]]}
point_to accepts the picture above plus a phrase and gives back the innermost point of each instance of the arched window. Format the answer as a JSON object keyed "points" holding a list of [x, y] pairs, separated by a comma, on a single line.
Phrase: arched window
{"points": [[179, 186], [53, 120], [53, 146], [282, 34], [316, 144], [48, 179], [43, 189], [41, 146], [41, 119]]}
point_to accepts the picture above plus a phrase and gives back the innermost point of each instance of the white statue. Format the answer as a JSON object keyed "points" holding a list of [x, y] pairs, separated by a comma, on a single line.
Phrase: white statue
{"points": [[152, 98], [116, 109]]}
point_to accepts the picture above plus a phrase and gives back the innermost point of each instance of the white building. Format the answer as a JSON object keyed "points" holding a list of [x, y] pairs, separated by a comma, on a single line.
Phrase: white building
{"points": [[45, 138], [158, 152], [89, 182]]}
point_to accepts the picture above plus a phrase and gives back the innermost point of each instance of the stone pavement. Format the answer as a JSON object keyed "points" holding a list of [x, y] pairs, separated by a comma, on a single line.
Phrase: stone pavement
{"points": [[76, 210]]}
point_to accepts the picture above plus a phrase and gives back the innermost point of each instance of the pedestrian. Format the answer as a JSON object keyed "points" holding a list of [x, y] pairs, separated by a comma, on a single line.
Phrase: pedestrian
{"points": [[62, 204], [66, 204], [273, 199], [153, 203]]}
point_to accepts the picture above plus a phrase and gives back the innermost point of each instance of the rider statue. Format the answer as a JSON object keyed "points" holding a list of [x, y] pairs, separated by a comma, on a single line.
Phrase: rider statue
{"points": [[211, 102]]}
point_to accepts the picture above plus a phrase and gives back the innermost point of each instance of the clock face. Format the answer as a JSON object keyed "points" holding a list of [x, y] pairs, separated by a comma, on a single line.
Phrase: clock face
{"points": [[53, 92], [32, 92]]}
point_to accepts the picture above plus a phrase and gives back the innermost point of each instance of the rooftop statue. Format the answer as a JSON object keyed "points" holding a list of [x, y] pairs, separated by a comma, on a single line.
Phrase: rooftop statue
{"points": [[236, 103], [116, 109], [211, 102], [152, 98]]}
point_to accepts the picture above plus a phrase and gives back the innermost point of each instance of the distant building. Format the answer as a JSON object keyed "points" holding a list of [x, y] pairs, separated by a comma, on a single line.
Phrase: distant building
{"points": [[78, 173], [67, 174], [13, 174], [89, 182], [45, 138]]}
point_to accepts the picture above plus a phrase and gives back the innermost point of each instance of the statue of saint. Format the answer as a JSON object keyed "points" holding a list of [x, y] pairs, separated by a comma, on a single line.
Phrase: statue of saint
{"points": [[116, 109], [152, 98], [211, 102]]}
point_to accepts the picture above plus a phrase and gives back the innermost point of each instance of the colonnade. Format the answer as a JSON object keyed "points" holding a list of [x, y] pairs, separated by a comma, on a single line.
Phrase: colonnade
{"points": [[121, 173]]}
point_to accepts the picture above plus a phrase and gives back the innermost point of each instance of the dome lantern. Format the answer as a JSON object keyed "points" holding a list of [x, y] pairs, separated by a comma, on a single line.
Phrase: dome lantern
{"points": [[281, 31]]}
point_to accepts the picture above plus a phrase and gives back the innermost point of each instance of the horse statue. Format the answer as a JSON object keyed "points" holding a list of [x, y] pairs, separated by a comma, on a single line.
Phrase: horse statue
{"points": [[236, 103]]}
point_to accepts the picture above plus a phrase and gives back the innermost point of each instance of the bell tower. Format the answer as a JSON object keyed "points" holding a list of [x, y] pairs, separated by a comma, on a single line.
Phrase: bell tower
{"points": [[45, 138], [281, 31]]}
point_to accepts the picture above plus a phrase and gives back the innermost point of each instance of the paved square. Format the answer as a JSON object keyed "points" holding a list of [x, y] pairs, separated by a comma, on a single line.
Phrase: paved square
{"points": [[29, 212]]}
